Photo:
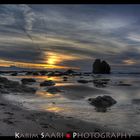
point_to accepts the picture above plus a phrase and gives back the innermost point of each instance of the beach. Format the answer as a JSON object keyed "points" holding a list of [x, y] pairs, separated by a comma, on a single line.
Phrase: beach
{"points": [[14, 119], [69, 110]]}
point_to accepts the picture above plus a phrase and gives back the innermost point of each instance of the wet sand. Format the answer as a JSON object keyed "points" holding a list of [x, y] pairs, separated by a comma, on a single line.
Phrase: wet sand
{"points": [[14, 119], [80, 91]]}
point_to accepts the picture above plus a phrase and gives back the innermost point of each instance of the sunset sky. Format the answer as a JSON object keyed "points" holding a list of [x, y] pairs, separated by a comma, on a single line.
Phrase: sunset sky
{"points": [[70, 36]]}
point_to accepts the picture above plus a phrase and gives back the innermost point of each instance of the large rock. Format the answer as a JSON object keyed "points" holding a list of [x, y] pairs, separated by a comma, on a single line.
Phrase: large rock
{"points": [[102, 102], [28, 80], [7, 86], [101, 67], [47, 83]]}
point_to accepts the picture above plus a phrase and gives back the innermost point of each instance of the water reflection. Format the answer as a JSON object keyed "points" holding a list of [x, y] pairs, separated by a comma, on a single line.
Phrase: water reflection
{"points": [[39, 77], [53, 108], [47, 95]]}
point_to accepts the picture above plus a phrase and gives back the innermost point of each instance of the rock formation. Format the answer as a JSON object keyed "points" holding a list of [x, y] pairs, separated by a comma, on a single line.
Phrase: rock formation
{"points": [[8, 86], [101, 67]]}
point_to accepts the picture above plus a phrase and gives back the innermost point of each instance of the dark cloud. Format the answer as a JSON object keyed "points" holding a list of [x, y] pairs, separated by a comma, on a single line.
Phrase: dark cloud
{"points": [[109, 32]]}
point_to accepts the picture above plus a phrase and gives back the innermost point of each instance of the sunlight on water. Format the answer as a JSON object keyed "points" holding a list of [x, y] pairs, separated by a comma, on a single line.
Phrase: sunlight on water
{"points": [[64, 84], [47, 94], [53, 108], [54, 78]]}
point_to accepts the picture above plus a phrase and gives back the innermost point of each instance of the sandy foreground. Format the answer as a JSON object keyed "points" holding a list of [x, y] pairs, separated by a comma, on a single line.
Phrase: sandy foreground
{"points": [[14, 119]]}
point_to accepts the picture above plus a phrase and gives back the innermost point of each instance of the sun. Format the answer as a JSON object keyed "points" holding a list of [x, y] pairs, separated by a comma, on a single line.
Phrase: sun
{"points": [[53, 59]]}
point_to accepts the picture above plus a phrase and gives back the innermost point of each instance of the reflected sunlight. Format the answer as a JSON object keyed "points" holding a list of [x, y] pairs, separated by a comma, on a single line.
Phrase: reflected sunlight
{"points": [[46, 94], [54, 109]]}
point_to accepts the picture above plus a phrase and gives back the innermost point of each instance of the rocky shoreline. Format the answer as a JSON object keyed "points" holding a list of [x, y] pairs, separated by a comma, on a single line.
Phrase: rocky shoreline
{"points": [[15, 116]]}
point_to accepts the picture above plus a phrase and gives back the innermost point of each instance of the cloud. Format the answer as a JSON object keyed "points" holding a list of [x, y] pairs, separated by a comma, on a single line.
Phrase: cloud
{"points": [[29, 16], [129, 62], [86, 31], [134, 37], [8, 19]]}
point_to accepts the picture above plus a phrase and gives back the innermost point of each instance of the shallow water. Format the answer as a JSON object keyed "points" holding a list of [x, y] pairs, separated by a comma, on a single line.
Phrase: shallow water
{"points": [[72, 101]]}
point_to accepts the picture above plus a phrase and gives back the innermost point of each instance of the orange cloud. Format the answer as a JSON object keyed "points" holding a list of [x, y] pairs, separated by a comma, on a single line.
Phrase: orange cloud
{"points": [[129, 61], [50, 65]]}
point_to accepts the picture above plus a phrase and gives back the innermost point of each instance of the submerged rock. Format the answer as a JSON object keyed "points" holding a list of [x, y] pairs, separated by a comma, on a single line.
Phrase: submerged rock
{"points": [[53, 90], [82, 81], [100, 82], [14, 74], [81, 77], [35, 73], [50, 73], [58, 73], [3, 80], [8, 86], [101, 67], [25, 89], [65, 78], [105, 79], [123, 84], [136, 101], [102, 103], [28, 80], [43, 72], [29, 73], [3, 90], [69, 72], [47, 83]]}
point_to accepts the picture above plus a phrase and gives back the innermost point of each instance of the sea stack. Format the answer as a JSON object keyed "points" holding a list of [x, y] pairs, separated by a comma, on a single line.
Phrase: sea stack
{"points": [[101, 67]]}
